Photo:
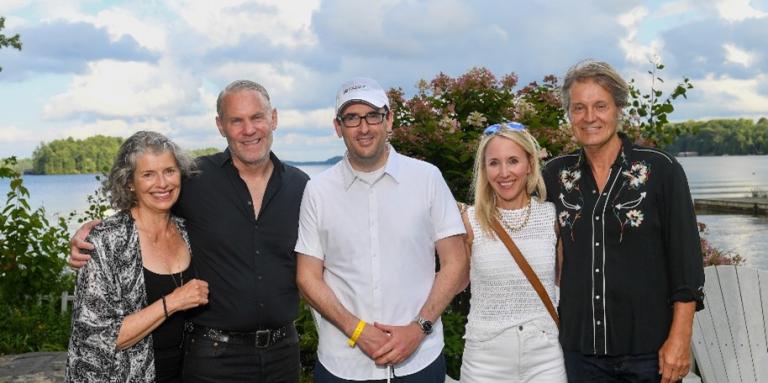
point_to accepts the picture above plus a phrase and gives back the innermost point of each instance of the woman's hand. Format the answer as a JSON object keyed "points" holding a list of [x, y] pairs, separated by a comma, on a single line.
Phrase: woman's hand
{"points": [[192, 294]]}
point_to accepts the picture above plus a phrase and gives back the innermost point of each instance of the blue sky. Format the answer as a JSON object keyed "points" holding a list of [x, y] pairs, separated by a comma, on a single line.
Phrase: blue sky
{"points": [[114, 67]]}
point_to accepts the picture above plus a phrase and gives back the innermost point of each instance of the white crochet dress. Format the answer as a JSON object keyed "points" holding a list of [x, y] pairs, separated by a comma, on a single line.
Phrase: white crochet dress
{"points": [[502, 297]]}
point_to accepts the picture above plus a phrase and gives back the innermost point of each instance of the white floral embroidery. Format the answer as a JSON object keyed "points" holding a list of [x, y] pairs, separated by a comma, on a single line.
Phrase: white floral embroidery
{"points": [[635, 217], [563, 218], [637, 174], [569, 178]]}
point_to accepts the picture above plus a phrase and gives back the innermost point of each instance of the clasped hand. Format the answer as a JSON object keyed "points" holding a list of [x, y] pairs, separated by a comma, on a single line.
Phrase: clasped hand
{"points": [[390, 345]]}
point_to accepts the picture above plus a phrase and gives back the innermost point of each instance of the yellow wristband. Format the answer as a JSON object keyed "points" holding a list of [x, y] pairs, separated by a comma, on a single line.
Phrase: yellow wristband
{"points": [[356, 334]]}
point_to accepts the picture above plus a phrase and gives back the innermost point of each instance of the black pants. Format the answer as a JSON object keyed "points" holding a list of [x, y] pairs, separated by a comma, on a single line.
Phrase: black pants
{"points": [[643, 368], [433, 373], [208, 361]]}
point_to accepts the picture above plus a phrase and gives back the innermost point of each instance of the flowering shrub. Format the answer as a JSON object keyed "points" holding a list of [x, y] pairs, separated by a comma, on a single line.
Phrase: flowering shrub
{"points": [[443, 122], [713, 256]]}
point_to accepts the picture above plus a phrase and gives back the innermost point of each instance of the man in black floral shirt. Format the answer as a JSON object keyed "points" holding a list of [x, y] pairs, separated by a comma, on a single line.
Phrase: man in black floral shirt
{"points": [[632, 274]]}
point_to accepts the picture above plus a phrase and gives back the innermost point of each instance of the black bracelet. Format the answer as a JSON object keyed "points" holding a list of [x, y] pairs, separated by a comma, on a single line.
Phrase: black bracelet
{"points": [[165, 308]]}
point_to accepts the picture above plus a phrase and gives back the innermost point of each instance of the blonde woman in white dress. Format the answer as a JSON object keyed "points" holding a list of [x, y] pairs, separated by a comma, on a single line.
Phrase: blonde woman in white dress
{"points": [[510, 336]]}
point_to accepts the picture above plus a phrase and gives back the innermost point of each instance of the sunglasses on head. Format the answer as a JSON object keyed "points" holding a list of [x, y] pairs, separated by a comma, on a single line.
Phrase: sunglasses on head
{"points": [[510, 125]]}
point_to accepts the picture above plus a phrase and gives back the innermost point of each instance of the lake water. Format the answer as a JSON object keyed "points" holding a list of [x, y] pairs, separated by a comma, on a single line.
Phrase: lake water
{"points": [[727, 176]]}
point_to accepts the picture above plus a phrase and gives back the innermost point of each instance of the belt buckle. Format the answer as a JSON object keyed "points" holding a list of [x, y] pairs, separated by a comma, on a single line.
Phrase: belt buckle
{"points": [[263, 338]]}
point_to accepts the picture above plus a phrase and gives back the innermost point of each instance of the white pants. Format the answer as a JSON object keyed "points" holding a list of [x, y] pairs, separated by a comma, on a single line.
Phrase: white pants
{"points": [[519, 354]]}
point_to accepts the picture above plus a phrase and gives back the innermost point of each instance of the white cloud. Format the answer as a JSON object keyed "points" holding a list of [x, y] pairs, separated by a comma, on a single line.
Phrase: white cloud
{"points": [[741, 96], [635, 51], [9, 5], [737, 10], [120, 22], [115, 127], [123, 89], [226, 22], [11, 134], [736, 55], [267, 74], [675, 8], [300, 119], [297, 147], [630, 19]]}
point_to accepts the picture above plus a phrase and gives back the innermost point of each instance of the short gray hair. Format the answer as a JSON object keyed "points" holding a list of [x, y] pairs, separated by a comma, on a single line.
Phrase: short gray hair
{"points": [[238, 85], [600, 72], [118, 182]]}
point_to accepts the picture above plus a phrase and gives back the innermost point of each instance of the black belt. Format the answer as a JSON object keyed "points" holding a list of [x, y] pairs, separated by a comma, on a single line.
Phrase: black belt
{"points": [[259, 339]]}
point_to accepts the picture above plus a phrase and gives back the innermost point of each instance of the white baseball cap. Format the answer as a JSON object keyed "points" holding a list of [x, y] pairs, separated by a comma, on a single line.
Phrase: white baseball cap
{"points": [[361, 89]]}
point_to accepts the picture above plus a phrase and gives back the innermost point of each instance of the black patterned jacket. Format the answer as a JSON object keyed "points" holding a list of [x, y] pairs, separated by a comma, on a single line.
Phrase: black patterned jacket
{"points": [[109, 288]]}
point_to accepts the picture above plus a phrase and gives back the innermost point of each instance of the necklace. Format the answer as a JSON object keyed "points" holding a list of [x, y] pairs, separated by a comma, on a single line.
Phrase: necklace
{"points": [[515, 226], [181, 279]]}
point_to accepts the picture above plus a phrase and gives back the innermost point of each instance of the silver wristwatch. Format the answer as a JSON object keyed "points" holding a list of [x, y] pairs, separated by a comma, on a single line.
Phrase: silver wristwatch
{"points": [[424, 324]]}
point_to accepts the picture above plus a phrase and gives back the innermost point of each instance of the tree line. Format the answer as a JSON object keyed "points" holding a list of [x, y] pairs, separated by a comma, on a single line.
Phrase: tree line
{"points": [[719, 137], [96, 154], [70, 156]]}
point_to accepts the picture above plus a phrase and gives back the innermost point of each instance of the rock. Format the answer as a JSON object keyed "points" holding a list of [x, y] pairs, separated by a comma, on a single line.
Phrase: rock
{"points": [[33, 367]]}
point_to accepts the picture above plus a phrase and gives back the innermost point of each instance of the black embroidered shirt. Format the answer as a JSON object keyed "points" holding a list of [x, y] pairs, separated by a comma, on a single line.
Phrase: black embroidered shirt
{"points": [[630, 251]]}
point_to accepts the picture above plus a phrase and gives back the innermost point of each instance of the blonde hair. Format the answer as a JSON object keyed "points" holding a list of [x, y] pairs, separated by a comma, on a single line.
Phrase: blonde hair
{"points": [[485, 199]]}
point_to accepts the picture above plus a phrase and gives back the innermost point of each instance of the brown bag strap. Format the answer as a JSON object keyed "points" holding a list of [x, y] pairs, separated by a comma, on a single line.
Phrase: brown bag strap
{"points": [[526, 268]]}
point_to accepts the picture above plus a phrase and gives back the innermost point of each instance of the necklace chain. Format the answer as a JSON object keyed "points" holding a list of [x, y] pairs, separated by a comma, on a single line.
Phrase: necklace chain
{"points": [[511, 227]]}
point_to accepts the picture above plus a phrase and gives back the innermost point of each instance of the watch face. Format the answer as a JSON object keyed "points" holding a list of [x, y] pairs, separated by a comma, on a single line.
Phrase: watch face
{"points": [[426, 326]]}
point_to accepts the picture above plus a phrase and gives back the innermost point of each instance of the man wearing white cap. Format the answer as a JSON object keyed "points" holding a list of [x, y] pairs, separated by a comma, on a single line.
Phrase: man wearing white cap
{"points": [[368, 231]]}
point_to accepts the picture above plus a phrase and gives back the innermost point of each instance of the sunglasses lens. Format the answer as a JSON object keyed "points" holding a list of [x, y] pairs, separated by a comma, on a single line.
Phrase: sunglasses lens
{"points": [[512, 125]]}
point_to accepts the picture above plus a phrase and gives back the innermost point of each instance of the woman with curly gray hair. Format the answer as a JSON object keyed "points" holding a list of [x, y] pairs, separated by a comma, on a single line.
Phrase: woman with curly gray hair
{"points": [[127, 323]]}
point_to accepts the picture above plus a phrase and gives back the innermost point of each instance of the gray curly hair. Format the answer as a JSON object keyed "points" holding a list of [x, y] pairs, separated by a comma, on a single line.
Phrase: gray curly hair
{"points": [[118, 183]]}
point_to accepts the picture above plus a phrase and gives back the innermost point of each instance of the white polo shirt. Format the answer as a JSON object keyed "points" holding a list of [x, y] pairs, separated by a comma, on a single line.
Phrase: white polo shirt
{"points": [[377, 241]]}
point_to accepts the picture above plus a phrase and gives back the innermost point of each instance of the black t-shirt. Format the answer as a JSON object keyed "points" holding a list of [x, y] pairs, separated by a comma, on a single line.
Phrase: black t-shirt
{"points": [[248, 261], [171, 332], [629, 252]]}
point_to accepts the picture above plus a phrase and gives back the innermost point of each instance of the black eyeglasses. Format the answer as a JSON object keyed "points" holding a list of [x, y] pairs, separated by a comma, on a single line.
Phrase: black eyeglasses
{"points": [[511, 125], [352, 120]]}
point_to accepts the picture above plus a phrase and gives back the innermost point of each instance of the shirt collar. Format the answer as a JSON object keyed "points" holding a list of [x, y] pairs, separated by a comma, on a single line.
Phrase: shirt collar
{"points": [[623, 158], [391, 168], [225, 157]]}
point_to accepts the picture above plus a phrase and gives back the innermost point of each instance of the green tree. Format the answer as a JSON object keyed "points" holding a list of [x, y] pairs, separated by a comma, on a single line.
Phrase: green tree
{"points": [[32, 248], [69, 156], [720, 136], [5, 41], [649, 113]]}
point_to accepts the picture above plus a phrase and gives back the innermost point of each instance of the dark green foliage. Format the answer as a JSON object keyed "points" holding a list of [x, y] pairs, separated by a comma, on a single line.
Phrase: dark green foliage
{"points": [[307, 340], [453, 330], [649, 113], [5, 41], [69, 156], [32, 249], [32, 273], [34, 327], [718, 137]]}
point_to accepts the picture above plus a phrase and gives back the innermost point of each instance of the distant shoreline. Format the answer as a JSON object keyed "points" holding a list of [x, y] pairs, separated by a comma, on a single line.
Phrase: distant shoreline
{"points": [[330, 161]]}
